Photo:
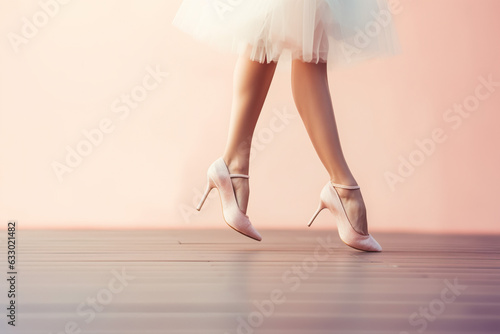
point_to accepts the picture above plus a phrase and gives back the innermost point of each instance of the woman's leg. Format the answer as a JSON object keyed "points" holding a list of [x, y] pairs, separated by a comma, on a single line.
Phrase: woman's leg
{"points": [[251, 83], [311, 93]]}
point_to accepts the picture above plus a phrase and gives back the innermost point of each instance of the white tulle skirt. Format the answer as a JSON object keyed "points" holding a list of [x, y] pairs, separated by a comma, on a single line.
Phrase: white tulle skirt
{"points": [[339, 31]]}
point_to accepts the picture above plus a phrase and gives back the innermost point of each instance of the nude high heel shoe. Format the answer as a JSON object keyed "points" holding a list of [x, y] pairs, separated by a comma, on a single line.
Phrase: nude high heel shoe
{"points": [[330, 199], [219, 177]]}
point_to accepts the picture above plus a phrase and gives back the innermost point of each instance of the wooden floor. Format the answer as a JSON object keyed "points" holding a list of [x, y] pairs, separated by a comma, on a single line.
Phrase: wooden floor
{"points": [[218, 281]]}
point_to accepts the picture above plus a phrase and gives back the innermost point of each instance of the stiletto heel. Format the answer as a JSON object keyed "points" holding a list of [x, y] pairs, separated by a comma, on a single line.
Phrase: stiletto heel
{"points": [[219, 177], [320, 207], [330, 199], [210, 186]]}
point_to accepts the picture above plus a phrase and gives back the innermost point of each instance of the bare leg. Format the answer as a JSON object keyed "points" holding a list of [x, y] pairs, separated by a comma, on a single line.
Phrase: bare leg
{"points": [[250, 86], [311, 93]]}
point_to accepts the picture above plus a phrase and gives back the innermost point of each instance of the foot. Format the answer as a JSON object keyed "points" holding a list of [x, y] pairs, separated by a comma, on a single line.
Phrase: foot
{"points": [[240, 185], [353, 203], [241, 191]]}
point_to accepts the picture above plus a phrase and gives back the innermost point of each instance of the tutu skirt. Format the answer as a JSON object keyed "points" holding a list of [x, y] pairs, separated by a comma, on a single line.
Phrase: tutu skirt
{"points": [[342, 31]]}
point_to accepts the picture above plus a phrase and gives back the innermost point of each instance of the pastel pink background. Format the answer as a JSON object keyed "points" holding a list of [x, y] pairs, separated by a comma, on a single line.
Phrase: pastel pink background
{"points": [[149, 171]]}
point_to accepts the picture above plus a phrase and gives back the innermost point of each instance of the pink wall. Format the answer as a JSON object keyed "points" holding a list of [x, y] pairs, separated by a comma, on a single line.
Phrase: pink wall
{"points": [[69, 74]]}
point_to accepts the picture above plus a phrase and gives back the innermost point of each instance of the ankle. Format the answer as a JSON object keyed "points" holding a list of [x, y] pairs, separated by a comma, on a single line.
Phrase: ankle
{"points": [[237, 165]]}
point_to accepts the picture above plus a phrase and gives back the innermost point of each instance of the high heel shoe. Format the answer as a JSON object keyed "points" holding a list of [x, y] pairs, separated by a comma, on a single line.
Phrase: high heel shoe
{"points": [[330, 199], [218, 177]]}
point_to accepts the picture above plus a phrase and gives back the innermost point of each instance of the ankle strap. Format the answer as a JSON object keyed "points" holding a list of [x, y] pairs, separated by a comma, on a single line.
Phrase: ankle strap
{"points": [[344, 187], [239, 175]]}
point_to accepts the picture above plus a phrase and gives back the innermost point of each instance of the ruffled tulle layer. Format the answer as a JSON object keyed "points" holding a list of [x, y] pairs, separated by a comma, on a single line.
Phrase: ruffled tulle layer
{"points": [[339, 31]]}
